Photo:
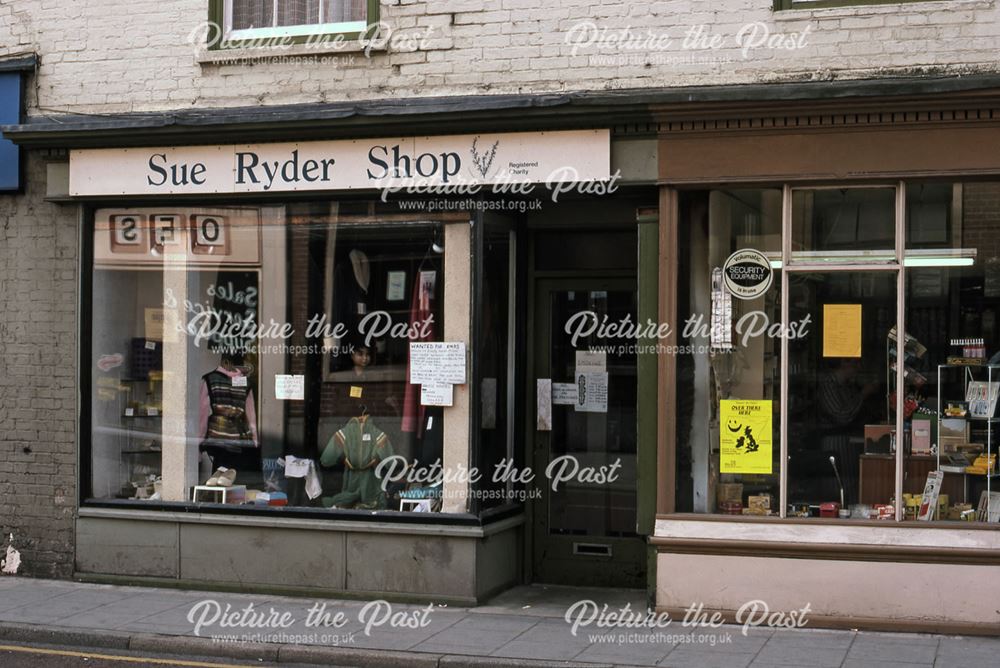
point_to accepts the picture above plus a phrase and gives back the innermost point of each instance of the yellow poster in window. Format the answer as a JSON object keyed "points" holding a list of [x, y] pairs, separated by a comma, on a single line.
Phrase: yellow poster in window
{"points": [[745, 439], [841, 330]]}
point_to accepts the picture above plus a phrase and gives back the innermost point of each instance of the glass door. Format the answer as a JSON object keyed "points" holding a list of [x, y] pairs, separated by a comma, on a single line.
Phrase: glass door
{"points": [[585, 437]]}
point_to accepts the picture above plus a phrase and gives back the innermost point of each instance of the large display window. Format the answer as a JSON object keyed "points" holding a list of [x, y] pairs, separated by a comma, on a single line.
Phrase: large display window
{"points": [[311, 355], [857, 422]]}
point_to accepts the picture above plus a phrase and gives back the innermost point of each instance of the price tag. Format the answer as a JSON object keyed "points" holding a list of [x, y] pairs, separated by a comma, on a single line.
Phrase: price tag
{"points": [[150, 345], [129, 412], [366, 437], [239, 381]]}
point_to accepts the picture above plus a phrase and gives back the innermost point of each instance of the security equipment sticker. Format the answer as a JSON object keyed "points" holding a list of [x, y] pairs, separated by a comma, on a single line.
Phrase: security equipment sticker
{"points": [[747, 274]]}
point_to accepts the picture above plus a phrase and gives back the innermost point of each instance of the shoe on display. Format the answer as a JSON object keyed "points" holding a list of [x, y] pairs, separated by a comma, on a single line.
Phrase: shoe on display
{"points": [[223, 477]]}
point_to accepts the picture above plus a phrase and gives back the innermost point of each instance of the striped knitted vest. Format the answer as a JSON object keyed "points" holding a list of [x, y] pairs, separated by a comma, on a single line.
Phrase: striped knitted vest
{"points": [[228, 421]]}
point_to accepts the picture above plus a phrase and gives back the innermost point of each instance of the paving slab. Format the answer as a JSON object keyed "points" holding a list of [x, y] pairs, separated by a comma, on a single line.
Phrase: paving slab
{"points": [[688, 658], [523, 627], [803, 656]]}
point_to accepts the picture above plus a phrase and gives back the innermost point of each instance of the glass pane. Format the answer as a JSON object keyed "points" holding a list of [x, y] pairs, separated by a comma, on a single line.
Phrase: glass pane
{"points": [[298, 12], [246, 355], [841, 417], [843, 225], [953, 301], [595, 428], [728, 369], [495, 442], [252, 14], [343, 11]]}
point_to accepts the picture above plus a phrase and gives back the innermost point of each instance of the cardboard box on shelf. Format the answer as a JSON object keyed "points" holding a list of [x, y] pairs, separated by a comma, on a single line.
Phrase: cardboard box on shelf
{"points": [[879, 439], [761, 502], [920, 442], [955, 512], [729, 491]]}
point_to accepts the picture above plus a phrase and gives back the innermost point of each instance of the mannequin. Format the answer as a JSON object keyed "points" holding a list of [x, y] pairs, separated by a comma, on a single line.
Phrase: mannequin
{"points": [[352, 295], [227, 415], [361, 444]]}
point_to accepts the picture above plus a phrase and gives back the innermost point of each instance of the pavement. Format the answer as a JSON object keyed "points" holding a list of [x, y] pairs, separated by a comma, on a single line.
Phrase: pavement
{"points": [[525, 626]]}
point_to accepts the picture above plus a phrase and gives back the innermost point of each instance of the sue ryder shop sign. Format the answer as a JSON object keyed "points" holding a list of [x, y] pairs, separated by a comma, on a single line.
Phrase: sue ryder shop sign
{"points": [[524, 157]]}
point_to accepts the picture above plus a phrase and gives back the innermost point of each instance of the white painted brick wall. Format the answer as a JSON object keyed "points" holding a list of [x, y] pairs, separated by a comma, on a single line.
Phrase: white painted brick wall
{"points": [[98, 56]]}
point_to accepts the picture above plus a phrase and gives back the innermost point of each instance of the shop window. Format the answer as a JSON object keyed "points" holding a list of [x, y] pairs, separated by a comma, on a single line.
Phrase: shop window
{"points": [[887, 363], [730, 381], [256, 19], [841, 225], [952, 373], [839, 381], [270, 357], [495, 366]]}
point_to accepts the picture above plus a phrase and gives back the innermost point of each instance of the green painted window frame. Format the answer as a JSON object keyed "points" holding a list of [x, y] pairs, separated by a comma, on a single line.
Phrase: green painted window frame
{"points": [[783, 5], [217, 17]]}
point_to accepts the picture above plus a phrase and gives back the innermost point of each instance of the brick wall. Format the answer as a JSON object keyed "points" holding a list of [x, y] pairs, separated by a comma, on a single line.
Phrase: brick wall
{"points": [[97, 56], [38, 377]]}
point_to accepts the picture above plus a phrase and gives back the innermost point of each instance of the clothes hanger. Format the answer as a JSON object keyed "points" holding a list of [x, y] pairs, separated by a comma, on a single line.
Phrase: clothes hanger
{"points": [[434, 249]]}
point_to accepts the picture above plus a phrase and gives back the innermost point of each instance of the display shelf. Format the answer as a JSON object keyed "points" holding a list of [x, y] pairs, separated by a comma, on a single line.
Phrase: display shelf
{"points": [[140, 449], [971, 373]]}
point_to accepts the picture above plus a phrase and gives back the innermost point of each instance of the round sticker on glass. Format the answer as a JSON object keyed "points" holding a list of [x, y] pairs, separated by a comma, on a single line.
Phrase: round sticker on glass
{"points": [[747, 273]]}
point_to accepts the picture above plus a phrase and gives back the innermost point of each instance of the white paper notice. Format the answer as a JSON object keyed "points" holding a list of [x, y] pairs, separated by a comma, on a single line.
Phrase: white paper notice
{"points": [[591, 362], [543, 403], [564, 394], [437, 363], [437, 395], [289, 387], [592, 392]]}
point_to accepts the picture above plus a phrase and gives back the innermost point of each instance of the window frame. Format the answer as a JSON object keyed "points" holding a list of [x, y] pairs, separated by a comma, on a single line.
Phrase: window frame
{"points": [[786, 5], [472, 516], [220, 18], [896, 262]]}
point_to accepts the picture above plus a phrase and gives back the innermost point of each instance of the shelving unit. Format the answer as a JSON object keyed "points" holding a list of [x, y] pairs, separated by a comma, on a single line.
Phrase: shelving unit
{"points": [[141, 448], [989, 420]]}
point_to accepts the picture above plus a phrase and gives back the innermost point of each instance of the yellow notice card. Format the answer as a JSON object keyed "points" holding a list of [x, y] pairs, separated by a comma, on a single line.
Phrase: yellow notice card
{"points": [[355, 392], [841, 330], [745, 437]]}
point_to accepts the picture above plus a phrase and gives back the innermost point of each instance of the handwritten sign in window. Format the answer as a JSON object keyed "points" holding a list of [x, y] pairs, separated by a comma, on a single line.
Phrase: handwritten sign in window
{"points": [[437, 363]]}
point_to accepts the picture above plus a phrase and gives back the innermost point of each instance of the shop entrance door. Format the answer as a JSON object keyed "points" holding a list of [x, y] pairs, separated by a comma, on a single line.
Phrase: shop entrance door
{"points": [[584, 530]]}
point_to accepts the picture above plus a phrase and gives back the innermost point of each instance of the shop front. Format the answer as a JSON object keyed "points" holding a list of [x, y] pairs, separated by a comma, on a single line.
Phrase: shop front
{"points": [[746, 354], [831, 432], [314, 367]]}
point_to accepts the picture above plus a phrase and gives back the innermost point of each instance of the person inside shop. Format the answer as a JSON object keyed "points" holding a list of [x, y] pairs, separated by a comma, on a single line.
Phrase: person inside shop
{"points": [[228, 417], [841, 403]]}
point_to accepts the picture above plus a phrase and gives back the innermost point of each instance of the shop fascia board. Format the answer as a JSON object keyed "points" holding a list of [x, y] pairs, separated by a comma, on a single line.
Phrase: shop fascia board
{"points": [[637, 110]]}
